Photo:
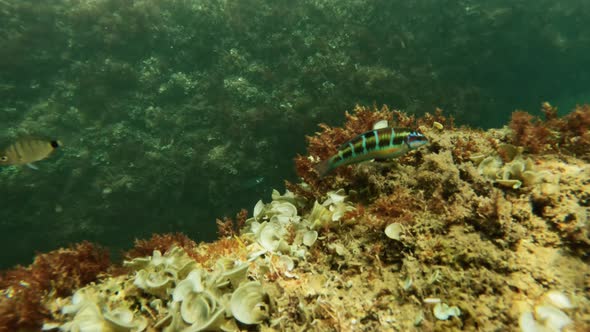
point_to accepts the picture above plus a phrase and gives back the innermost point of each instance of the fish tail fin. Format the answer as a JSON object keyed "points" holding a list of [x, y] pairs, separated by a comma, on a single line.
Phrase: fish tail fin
{"points": [[323, 168]]}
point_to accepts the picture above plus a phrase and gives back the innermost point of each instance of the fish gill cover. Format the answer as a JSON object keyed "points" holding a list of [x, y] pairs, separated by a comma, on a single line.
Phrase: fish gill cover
{"points": [[170, 113]]}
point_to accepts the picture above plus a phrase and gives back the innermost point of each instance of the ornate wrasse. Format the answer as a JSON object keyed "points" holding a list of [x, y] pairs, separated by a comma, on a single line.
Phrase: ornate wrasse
{"points": [[383, 143]]}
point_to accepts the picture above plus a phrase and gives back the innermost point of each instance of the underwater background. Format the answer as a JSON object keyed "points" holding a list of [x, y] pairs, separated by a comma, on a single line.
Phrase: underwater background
{"points": [[175, 113]]}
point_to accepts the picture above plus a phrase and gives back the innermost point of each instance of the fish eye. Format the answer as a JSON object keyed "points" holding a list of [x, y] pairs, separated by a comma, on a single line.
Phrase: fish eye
{"points": [[3, 158]]}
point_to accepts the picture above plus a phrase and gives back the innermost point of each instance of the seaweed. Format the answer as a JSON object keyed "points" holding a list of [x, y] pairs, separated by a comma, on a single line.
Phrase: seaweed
{"points": [[161, 242], [228, 227], [569, 134], [530, 132], [56, 273], [396, 207]]}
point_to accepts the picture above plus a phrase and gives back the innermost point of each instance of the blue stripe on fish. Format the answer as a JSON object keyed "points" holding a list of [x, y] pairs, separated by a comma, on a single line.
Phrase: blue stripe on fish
{"points": [[392, 136], [376, 139]]}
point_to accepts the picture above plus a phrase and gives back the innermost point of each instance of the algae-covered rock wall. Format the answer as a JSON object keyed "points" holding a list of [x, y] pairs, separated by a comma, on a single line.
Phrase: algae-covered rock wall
{"points": [[441, 239], [172, 113]]}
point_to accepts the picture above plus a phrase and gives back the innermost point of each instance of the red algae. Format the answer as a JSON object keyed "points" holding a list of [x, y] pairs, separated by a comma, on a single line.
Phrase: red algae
{"points": [[162, 243], [56, 273], [568, 134]]}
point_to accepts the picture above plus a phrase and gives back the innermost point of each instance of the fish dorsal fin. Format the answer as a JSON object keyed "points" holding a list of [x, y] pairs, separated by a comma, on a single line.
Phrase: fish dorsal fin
{"points": [[380, 124]]}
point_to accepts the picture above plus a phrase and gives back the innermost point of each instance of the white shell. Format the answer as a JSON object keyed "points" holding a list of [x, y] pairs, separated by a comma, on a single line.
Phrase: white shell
{"points": [[393, 231], [284, 209], [431, 300], [510, 183], [287, 262], [558, 300], [214, 323], [258, 209], [281, 219], [335, 197], [155, 283], [309, 238], [489, 167], [527, 323], [122, 319], [247, 303], [287, 197], [407, 283], [192, 284], [237, 274], [254, 227], [276, 195], [197, 308], [88, 318], [78, 299], [319, 216], [270, 237], [553, 317], [339, 209], [443, 312]]}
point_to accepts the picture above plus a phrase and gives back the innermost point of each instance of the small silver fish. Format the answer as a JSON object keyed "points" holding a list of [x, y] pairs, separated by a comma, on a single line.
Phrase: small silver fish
{"points": [[379, 143], [28, 150]]}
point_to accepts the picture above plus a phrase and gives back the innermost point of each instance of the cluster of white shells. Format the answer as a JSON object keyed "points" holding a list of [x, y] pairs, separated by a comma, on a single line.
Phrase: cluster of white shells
{"points": [[209, 300], [157, 274], [514, 173], [277, 228], [191, 298], [548, 314], [90, 313]]}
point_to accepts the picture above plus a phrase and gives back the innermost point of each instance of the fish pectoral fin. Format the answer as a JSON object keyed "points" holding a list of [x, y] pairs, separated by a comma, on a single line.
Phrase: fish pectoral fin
{"points": [[31, 166]]}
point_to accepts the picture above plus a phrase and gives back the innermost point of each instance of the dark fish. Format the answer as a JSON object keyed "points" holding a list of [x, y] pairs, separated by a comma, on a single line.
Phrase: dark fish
{"points": [[383, 143], [27, 151]]}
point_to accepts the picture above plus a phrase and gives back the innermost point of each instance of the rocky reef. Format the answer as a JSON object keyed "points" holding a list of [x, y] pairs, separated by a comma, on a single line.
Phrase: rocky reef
{"points": [[149, 95], [477, 231]]}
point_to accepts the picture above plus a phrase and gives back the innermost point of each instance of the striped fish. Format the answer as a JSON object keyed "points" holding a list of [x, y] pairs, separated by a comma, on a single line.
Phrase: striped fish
{"points": [[382, 143], [28, 150]]}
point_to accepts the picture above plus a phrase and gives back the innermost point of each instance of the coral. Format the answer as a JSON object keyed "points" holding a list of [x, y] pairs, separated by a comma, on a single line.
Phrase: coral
{"points": [[56, 273]]}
